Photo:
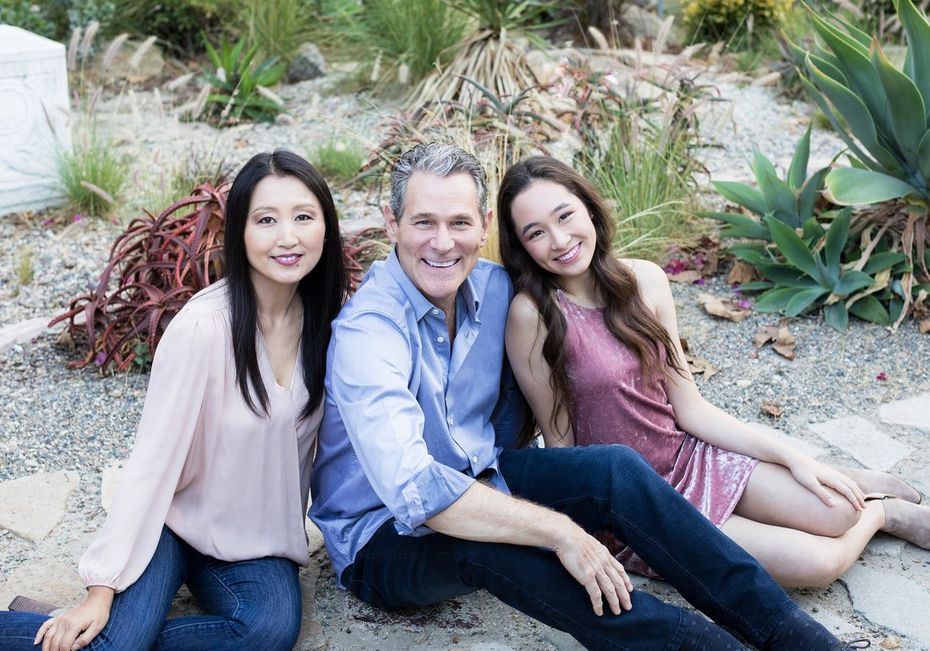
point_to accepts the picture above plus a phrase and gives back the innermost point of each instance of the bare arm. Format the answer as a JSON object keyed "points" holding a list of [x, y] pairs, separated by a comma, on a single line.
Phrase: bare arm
{"points": [[486, 515], [525, 336], [705, 421]]}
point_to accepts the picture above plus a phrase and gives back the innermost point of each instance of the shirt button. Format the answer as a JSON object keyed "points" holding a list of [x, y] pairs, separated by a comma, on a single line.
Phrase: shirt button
{"points": [[450, 421], [440, 339], [435, 312], [474, 459]]}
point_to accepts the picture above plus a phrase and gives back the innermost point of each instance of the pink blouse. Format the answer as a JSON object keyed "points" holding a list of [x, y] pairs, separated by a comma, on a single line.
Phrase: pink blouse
{"points": [[231, 484]]}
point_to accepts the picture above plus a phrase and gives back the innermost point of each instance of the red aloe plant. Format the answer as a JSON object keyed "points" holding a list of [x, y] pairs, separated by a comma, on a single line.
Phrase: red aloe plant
{"points": [[157, 264]]}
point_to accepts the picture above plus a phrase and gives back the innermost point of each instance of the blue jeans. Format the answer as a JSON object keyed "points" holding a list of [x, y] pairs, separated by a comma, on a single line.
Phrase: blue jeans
{"points": [[599, 487], [252, 604]]}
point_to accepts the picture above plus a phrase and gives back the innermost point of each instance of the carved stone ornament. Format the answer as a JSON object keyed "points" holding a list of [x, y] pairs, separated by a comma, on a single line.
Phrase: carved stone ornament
{"points": [[34, 119]]}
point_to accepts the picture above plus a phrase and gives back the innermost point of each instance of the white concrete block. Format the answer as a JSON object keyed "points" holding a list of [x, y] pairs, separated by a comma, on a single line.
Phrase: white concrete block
{"points": [[890, 600], [868, 444], [34, 119], [31, 506], [913, 412]]}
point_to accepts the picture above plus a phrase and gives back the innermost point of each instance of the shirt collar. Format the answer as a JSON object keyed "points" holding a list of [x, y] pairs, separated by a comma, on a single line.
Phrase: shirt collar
{"points": [[421, 305]]}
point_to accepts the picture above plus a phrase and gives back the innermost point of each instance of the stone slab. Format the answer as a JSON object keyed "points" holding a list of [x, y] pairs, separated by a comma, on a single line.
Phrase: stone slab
{"points": [[826, 617], [912, 412], [804, 447], [46, 580], [109, 478], [22, 332], [891, 600], [885, 545], [868, 444], [30, 507], [921, 480], [34, 119]]}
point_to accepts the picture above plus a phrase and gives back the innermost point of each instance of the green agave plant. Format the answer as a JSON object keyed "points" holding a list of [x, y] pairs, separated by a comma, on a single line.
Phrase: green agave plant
{"points": [[883, 115], [239, 90], [791, 200], [813, 273]]}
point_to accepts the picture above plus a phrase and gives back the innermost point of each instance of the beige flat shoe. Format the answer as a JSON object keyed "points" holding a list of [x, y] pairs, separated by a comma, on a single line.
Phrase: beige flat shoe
{"points": [[888, 484], [905, 520]]}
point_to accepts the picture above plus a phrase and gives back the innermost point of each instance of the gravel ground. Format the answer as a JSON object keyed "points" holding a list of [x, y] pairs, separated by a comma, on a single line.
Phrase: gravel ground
{"points": [[52, 418]]}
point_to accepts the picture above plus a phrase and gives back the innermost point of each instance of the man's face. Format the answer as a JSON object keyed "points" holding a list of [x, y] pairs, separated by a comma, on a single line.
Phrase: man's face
{"points": [[439, 235]]}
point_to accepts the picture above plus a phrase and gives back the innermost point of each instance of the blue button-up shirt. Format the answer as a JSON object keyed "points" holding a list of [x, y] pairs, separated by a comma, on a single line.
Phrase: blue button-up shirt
{"points": [[410, 416]]}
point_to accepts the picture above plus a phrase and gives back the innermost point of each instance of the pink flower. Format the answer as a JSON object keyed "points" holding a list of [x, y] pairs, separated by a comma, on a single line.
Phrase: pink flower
{"points": [[100, 358], [699, 281], [881, 377], [743, 303], [77, 217]]}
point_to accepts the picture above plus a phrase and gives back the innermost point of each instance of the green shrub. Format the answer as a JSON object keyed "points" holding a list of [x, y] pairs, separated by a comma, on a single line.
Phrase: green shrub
{"points": [[93, 173], [239, 91], [338, 160], [178, 24], [277, 27], [31, 16], [723, 20]]}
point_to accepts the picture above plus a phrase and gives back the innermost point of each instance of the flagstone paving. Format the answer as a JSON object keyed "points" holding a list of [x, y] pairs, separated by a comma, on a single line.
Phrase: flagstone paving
{"points": [[885, 597]]}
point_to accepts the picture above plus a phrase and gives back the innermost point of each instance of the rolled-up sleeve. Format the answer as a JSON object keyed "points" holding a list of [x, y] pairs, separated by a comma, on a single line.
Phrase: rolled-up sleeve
{"points": [[385, 423]]}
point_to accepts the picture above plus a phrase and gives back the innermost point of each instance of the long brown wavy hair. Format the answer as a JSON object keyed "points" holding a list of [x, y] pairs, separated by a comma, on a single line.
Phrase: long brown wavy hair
{"points": [[625, 313]]}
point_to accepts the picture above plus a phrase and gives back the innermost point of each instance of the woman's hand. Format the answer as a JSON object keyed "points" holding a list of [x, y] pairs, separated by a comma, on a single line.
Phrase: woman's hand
{"points": [[75, 628], [814, 475]]}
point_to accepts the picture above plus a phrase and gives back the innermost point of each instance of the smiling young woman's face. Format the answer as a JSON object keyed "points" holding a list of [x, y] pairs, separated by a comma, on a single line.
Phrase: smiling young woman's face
{"points": [[284, 231], [555, 228]]}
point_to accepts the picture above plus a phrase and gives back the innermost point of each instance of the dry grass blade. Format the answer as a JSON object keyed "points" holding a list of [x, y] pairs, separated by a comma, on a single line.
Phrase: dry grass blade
{"points": [[112, 49], [141, 50]]}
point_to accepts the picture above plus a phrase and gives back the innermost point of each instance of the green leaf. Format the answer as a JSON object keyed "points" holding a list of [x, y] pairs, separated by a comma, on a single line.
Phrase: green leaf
{"points": [[774, 300], [869, 308], [761, 166], [792, 247], [923, 157], [810, 191], [851, 187], [755, 285], [742, 226], [881, 261], [861, 120], [779, 198], [836, 316], [783, 274], [918, 41], [797, 172], [811, 232], [836, 239], [905, 105], [851, 282], [742, 194], [803, 299]]}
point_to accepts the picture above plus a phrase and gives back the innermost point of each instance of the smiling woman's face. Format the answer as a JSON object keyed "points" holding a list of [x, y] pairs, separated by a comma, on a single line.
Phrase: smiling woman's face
{"points": [[555, 228], [440, 234], [284, 231]]}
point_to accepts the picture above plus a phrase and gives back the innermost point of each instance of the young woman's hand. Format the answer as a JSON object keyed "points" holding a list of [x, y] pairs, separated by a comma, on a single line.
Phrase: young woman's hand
{"points": [[75, 628], [814, 475]]}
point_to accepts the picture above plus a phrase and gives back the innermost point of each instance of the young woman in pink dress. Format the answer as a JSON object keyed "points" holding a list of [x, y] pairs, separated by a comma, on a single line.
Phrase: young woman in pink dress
{"points": [[593, 342], [215, 492]]}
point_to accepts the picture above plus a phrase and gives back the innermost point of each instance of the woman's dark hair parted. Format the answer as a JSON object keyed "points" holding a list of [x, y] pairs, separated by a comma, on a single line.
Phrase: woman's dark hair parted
{"points": [[625, 313], [322, 291]]}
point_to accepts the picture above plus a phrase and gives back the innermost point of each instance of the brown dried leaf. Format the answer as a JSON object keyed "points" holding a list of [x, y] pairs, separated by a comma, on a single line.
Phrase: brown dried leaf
{"points": [[785, 350], [686, 276], [890, 642], [724, 308], [782, 341], [924, 326], [699, 365], [742, 272], [765, 335], [772, 408]]}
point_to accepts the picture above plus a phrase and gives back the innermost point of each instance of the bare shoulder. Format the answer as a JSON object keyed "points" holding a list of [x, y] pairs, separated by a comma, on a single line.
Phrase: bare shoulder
{"points": [[649, 276], [523, 310]]}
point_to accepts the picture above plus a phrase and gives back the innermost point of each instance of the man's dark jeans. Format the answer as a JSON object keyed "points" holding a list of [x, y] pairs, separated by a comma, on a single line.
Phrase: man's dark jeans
{"points": [[599, 487]]}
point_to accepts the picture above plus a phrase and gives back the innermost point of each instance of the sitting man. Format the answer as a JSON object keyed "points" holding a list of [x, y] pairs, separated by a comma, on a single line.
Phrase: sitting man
{"points": [[416, 501]]}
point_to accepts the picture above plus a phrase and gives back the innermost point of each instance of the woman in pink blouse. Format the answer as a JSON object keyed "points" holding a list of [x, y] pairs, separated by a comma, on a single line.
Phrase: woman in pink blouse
{"points": [[215, 492], [593, 342]]}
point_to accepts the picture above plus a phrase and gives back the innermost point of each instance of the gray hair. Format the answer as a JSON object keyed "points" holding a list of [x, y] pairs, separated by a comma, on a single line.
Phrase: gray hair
{"points": [[440, 160]]}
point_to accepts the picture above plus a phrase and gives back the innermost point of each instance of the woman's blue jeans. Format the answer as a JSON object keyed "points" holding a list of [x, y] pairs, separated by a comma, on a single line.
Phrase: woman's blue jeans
{"points": [[599, 487], [252, 604]]}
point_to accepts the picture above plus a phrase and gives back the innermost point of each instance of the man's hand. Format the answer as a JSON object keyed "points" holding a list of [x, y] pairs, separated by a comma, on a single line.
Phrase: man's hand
{"points": [[75, 628], [602, 575]]}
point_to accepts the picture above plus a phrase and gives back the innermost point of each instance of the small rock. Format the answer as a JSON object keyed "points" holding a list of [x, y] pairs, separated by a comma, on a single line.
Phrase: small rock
{"points": [[308, 64], [744, 384], [31, 506]]}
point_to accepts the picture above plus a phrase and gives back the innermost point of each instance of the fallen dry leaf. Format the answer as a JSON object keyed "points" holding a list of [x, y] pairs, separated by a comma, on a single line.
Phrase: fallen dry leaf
{"points": [[684, 343], [741, 272], [724, 308], [924, 327], [686, 276], [772, 408], [699, 365], [782, 341], [890, 642]]}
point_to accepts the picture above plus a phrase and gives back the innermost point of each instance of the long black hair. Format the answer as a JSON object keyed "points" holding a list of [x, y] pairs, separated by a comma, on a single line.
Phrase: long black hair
{"points": [[322, 291], [625, 313]]}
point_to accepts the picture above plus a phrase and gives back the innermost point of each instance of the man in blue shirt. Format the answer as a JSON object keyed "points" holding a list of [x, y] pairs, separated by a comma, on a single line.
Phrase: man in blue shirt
{"points": [[418, 501]]}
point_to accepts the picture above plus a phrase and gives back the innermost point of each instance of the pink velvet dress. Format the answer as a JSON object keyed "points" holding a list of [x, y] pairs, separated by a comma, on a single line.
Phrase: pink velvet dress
{"points": [[611, 402]]}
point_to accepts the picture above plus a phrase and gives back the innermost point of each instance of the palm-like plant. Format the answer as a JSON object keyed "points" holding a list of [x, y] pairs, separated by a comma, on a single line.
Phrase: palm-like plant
{"points": [[883, 115]]}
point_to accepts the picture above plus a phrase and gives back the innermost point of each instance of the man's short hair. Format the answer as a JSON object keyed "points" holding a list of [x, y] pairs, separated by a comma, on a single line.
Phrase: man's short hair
{"points": [[440, 160]]}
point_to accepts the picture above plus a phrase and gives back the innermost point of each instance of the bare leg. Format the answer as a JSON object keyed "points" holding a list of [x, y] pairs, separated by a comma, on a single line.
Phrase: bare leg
{"points": [[876, 481], [798, 559], [773, 496]]}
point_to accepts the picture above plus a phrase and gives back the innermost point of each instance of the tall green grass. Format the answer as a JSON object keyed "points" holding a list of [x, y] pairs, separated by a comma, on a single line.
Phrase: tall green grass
{"points": [[277, 27], [337, 160], [93, 173]]}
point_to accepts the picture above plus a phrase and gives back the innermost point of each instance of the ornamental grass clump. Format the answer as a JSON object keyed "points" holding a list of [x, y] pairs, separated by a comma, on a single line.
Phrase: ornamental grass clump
{"points": [[723, 20], [883, 115]]}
